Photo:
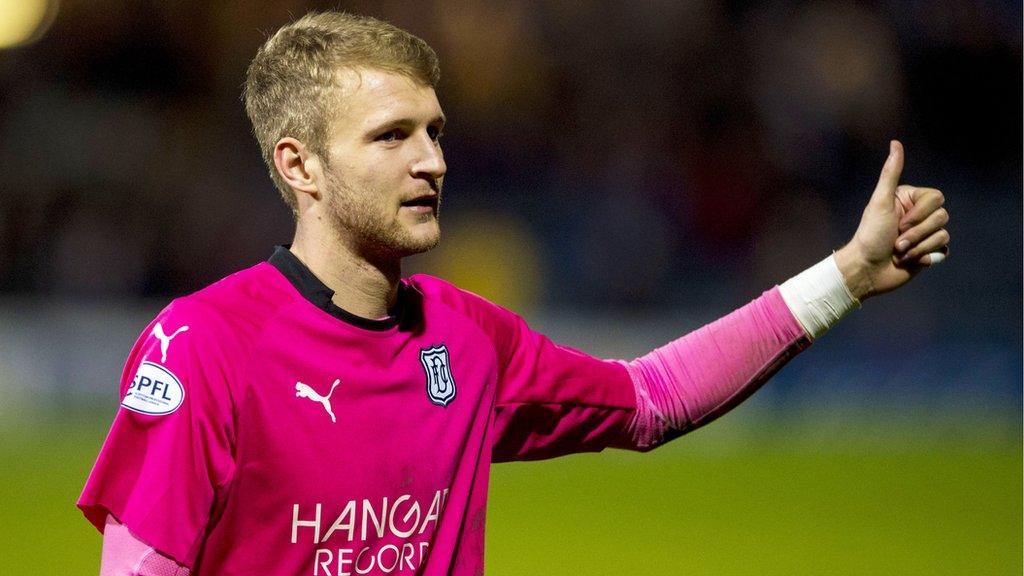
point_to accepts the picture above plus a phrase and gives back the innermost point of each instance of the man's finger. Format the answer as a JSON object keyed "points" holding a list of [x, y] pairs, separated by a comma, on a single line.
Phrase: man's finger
{"points": [[932, 258], [889, 179], [936, 220], [926, 202], [905, 194], [937, 257], [933, 243]]}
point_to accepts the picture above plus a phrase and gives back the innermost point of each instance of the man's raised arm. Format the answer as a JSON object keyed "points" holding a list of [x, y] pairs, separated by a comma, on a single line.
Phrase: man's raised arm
{"points": [[694, 379]]}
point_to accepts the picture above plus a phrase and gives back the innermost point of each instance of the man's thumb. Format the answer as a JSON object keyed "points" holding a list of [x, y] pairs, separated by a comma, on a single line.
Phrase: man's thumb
{"points": [[889, 179]]}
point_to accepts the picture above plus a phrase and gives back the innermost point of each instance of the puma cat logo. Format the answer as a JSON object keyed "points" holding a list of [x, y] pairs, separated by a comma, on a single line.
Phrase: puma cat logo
{"points": [[304, 391]]}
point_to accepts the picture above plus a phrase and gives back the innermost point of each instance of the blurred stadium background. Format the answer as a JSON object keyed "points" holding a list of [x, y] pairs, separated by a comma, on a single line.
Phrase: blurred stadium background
{"points": [[620, 173]]}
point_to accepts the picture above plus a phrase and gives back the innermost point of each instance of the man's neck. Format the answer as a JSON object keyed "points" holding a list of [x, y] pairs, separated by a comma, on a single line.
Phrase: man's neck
{"points": [[366, 289]]}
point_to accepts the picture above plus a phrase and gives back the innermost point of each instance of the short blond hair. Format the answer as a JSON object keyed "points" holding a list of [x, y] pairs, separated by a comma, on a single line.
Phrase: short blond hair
{"points": [[289, 82]]}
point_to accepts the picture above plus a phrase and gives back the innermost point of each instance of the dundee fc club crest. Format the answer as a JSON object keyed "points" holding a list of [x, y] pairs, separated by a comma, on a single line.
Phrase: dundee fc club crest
{"points": [[440, 384]]}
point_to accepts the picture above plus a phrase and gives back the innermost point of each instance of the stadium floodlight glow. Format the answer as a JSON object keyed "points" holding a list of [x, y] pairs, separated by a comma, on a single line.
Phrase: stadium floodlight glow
{"points": [[24, 21]]}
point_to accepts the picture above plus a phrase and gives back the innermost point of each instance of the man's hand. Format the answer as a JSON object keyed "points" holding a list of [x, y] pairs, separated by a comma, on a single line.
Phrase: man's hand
{"points": [[901, 233]]}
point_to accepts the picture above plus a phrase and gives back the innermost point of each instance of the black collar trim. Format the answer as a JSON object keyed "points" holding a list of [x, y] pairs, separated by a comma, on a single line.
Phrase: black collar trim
{"points": [[318, 294]]}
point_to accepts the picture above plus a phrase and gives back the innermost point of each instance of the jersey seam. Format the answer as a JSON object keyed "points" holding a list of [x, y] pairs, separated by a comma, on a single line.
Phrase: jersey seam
{"points": [[138, 565], [227, 386]]}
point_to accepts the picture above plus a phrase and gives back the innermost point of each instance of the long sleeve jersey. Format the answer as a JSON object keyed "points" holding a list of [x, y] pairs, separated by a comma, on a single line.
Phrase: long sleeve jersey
{"points": [[264, 430]]}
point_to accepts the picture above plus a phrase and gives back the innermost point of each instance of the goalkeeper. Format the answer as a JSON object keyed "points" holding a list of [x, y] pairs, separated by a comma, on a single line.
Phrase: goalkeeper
{"points": [[320, 414]]}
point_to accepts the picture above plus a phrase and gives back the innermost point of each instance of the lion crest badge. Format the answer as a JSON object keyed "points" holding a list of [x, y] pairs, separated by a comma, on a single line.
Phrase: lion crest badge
{"points": [[437, 366]]}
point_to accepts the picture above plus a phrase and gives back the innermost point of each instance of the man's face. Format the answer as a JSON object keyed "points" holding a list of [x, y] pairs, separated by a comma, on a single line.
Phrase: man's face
{"points": [[385, 167]]}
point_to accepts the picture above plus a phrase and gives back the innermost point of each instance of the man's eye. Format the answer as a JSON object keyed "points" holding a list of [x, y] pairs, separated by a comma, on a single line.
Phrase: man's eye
{"points": [[435, 133], [390, 136]]}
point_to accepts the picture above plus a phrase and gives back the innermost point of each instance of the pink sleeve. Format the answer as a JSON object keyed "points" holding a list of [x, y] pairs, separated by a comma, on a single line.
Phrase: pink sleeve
{"points": [[554, 400], [693, 380], [169, 451], [126, 555]]}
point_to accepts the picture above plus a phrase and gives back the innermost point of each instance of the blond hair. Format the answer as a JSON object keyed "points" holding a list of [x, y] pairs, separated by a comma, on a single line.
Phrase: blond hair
{"points": [[292, 76]]}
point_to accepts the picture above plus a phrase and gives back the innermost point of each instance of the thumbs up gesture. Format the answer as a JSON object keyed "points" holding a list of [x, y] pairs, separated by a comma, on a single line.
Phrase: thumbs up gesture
{"points": [[901, 233]]}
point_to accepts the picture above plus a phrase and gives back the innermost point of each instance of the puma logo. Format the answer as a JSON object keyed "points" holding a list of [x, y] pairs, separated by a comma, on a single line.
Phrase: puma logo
{"points": [[304, 391], [165, 340]]}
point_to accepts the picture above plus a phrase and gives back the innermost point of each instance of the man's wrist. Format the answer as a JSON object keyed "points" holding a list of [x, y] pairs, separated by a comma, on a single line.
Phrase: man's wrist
{"points": [[818, 297], [854, 271]]}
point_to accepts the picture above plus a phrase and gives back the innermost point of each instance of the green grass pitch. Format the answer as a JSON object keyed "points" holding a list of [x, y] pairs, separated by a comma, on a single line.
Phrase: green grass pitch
{"points": [[699, 506]]}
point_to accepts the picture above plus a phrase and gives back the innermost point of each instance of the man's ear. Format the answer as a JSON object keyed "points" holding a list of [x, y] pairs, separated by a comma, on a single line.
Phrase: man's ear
{"points": [[297, 166]]}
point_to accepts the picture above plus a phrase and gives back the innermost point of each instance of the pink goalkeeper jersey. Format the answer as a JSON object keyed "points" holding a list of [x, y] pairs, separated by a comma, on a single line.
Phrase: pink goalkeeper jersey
{"points": [[264, 430]]}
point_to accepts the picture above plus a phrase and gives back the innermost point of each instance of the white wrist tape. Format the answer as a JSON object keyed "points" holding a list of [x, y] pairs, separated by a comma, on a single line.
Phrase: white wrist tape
{"points": [[818, 297]]}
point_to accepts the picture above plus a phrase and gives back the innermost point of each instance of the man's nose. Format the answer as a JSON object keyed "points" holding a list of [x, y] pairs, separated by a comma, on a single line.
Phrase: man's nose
{"points": [[430, 160]]}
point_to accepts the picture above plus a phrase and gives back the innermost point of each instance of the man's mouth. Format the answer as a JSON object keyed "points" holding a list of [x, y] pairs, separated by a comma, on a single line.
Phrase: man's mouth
{"points": [[424, 203]]}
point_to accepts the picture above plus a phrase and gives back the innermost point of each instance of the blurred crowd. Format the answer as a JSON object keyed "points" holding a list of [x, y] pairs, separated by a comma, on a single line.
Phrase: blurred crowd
{"points": [[600, 153]]}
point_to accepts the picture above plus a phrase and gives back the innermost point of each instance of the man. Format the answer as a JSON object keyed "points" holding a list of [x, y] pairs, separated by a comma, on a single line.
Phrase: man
{"points": [[319, 414]]}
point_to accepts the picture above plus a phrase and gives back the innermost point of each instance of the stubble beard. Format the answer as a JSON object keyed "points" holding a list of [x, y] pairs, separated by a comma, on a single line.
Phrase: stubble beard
{"points": [[360, 219]]}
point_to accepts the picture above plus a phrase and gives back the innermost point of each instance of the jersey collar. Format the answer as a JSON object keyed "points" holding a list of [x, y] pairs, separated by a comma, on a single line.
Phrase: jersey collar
{"points": [[318, 294]]}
